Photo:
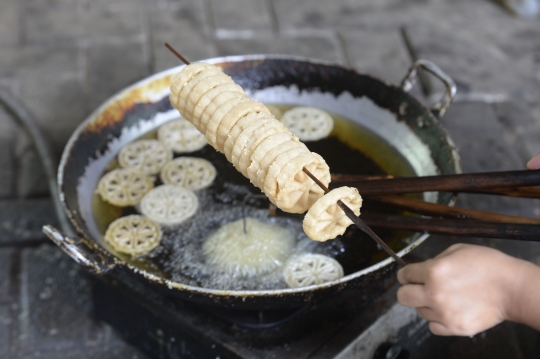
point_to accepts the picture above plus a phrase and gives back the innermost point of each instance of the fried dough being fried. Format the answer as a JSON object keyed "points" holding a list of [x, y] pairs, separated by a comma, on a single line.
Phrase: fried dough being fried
{"points": [[259, 169], [325, 220], [249, 135], [238, 129], [207, 98], [233, 116], [182, 78]]}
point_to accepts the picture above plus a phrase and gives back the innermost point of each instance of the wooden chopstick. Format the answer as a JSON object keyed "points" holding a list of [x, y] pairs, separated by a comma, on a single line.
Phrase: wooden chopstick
{"points": [[344, 177], [454, 227], [522, 192], [449, 183], [440, 210]]}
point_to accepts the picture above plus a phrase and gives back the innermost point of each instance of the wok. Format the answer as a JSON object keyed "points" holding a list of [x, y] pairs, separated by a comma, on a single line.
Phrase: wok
{"points": [[386, 110]]}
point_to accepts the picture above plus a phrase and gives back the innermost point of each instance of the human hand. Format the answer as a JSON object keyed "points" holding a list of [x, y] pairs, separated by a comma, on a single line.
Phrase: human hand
{"points": [[534, 163], [464, 290]]}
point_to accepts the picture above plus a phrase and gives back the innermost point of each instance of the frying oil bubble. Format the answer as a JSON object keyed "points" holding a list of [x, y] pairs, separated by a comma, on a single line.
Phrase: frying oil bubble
{"points": [[248, 247], [188, 264]]}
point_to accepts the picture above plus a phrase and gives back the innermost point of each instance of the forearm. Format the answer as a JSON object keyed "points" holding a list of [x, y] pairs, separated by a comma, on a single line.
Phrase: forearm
{"points": [[523, 305]]}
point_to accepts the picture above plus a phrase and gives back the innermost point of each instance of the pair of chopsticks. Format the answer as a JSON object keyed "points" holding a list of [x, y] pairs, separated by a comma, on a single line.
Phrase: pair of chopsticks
{"points": [[449, 220]]}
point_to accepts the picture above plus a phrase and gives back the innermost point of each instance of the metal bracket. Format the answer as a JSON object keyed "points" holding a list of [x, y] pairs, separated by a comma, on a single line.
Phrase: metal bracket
{"points": [[450, 92]]}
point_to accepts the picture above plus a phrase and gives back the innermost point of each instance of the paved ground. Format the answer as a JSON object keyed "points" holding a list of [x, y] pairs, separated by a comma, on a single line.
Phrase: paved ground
{"points": [[62, 58]]}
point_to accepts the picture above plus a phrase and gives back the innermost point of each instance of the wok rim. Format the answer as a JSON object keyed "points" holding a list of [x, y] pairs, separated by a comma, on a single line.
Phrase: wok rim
{"points": [[237, 293]]}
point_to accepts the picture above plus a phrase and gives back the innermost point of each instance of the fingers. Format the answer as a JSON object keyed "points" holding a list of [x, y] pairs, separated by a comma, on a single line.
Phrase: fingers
{"points": [[534, 163], [435, 322], [412, 273], [412, 295], [428, 314], [437, 325], [440, 329]]}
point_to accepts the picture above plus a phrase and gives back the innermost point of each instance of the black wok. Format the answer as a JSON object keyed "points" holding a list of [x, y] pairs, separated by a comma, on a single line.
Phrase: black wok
{"points": [[389, 111]]}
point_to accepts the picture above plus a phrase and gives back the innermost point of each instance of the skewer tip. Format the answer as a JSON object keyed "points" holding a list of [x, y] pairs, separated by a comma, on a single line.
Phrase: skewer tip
{"points": [[184, 60]]}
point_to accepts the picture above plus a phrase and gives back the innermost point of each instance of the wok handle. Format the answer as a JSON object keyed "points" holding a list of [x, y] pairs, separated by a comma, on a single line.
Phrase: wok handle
{"points": [[450, 92], [81, 251]]}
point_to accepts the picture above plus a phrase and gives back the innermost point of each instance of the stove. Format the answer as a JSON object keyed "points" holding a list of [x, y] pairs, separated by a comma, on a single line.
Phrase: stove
{"points": [[171, 328], [166, 327]]}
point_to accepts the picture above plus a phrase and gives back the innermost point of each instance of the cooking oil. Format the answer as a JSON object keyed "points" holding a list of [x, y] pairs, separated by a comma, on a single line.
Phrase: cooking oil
{"points": [[349, 149]]}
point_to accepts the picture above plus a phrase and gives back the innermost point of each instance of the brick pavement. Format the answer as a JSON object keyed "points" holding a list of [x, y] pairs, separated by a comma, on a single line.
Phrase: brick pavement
{"points": [[64, 57]]}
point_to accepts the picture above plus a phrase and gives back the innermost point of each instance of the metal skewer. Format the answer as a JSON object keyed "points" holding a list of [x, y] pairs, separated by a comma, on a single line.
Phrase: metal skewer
{"points": [[348, 212], [358, 222]]}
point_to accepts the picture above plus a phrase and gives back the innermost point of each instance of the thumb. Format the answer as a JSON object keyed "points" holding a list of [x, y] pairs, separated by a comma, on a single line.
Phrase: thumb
{"points": [[534, 163]]}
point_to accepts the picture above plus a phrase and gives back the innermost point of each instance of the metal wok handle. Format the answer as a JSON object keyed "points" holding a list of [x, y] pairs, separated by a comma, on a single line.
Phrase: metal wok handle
{"points": [[81, 251], [450, 92], [78, 249]]}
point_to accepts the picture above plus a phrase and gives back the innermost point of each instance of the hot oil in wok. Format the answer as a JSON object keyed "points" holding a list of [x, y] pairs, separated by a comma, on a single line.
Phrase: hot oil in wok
{"points": [[350, 149]]}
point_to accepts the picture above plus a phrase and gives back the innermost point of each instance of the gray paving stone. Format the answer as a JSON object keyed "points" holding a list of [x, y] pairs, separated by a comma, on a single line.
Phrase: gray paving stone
{"points": [[30, 62], [523, 49], [38, 6], [321, 13], [483, 17], [185, 29], [21, 221], [58, 110], [119, 5], [314, 13], [54, 27], [486, 23], [12, 84], [523, 123], [5, 331], [8, 174], [9, 22], [480, 22], [474, 127], [113, 67], [5, 274], [483, 68], [380, 53], [315, 47], [30, 173], [52, 294], [230, 21], [69, 26], [101, 24]]}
